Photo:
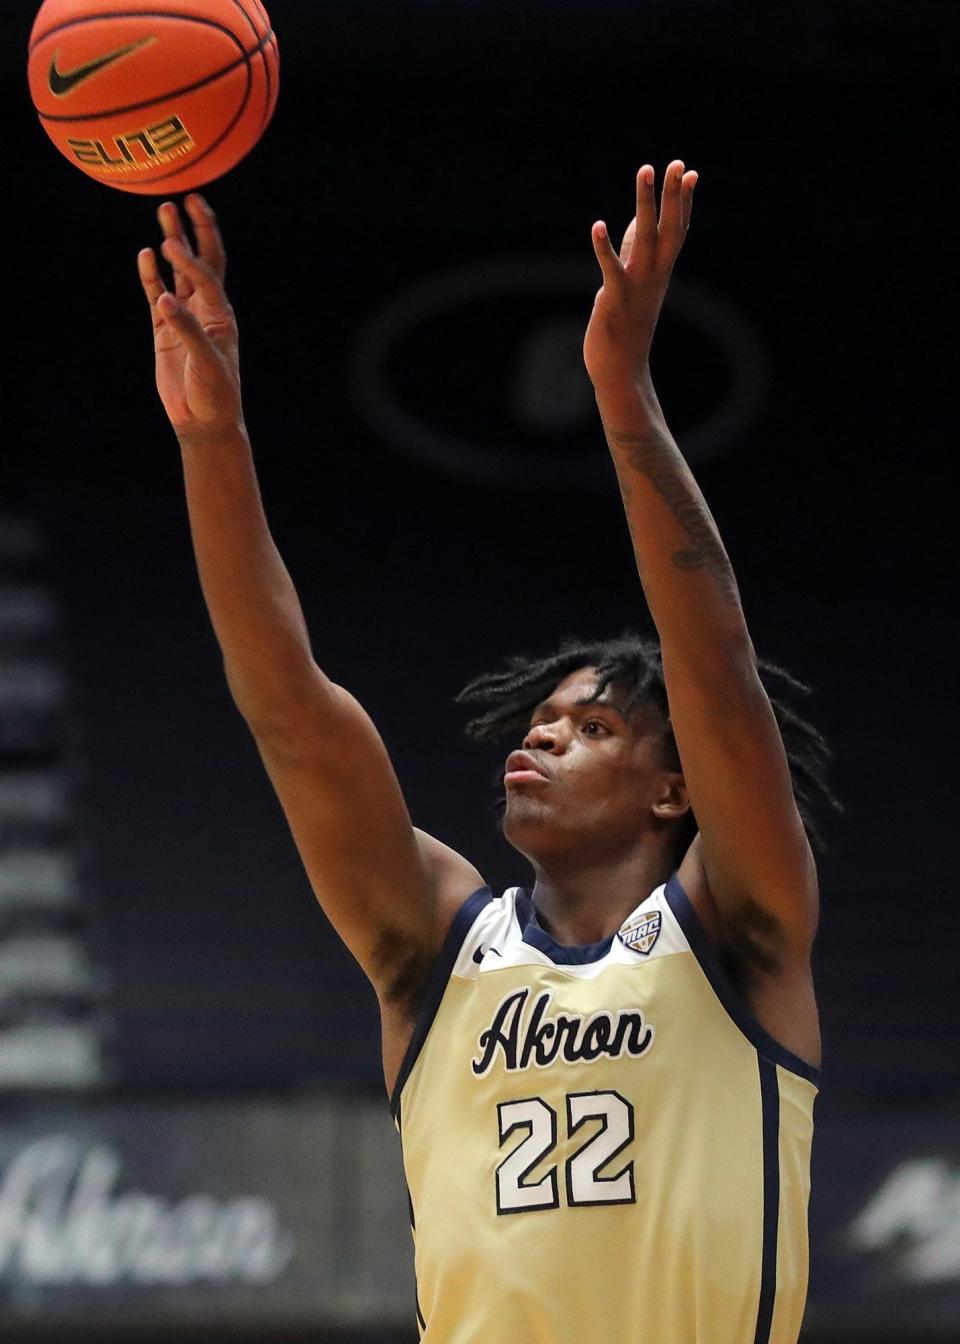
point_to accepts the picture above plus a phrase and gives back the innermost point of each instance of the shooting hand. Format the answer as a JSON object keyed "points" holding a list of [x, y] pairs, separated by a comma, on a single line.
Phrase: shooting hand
{"points": [[616, 347], [194, 329]]}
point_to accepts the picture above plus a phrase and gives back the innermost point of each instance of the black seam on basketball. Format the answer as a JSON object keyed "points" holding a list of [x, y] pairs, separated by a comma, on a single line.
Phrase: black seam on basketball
{"points": [[219, 140], [262, 57], [174, 93], [253, 26], [261, 11], [131, 14]]}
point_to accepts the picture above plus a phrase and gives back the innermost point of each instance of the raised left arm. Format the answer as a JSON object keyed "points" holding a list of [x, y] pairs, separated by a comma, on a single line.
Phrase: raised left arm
{"points": [[754, 851]]}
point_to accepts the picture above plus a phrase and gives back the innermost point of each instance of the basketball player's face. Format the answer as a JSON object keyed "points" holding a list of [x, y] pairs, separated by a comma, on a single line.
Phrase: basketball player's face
{"points": [[587, 780]]}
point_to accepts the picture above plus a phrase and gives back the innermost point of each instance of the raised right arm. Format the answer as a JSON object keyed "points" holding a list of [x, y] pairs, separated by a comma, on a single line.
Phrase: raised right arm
{"points": [[389, 890]]}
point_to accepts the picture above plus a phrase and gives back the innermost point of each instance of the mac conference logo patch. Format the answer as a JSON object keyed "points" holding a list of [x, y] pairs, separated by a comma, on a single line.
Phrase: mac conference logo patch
{"points": [[641, 933]]}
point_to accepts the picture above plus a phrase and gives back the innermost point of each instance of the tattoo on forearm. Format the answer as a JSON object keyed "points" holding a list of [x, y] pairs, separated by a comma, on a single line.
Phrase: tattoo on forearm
{"points": [[655, 457]]}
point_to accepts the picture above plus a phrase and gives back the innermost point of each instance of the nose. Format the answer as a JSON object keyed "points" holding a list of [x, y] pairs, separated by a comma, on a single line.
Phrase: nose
{"points": [[543, 737]]}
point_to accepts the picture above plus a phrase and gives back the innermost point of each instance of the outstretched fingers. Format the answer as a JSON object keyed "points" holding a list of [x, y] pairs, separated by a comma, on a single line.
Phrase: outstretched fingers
{"points": [[671, 213], [207, 233], [658, 238], [676, 203], [188, 329], [606, 255], [646, 207], [194, 275], [690, 180], [152, 282], [171, 225]]}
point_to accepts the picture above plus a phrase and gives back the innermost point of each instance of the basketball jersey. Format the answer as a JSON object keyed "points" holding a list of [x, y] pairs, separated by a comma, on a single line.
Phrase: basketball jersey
{"points": [[602, 1146]]}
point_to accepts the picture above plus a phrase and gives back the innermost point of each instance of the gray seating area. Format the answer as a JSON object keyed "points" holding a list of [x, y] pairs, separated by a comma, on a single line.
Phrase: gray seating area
{"points": [[53, 1011]]}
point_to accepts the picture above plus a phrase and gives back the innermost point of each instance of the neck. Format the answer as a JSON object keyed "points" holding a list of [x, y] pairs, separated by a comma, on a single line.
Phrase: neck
{"points": [[583, 905]]}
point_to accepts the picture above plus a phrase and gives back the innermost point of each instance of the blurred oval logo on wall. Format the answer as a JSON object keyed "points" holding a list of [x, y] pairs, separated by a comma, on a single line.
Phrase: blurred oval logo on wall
{"points": [[478, 373]]}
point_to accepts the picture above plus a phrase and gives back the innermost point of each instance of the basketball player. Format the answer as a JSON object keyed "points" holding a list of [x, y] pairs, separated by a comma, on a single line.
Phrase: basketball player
{"points": [[604, 1086]]}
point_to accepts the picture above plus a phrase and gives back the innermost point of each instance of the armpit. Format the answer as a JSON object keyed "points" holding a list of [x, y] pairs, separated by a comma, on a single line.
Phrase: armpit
{"points": [[752, 947], [402, 968]]}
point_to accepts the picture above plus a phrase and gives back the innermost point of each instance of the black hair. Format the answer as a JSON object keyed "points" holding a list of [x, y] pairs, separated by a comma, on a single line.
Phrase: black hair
{"points": [[633, 665]]}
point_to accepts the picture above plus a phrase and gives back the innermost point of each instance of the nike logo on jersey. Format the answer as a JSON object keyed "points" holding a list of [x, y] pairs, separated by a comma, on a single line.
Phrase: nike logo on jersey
{"points": [[62, 82], [533, 1038], [481, 952]]}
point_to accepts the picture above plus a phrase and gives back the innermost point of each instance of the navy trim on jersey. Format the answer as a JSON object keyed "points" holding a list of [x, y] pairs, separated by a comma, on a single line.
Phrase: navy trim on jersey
{"points": [[764, 1043], [560, 955], [416, 1292], [770, 1128], [462, 923]]}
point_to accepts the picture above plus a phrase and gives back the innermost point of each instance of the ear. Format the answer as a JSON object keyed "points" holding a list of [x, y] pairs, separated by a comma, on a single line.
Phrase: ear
{"points": [[671, 801]]}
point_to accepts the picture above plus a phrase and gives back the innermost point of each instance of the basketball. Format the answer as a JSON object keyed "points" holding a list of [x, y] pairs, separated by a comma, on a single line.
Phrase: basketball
{"points": [[158, 100]]}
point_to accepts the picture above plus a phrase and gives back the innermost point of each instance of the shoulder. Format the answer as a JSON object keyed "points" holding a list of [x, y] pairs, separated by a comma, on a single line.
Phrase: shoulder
{"points": [[773, 980], [451, 880], [747, 923]]}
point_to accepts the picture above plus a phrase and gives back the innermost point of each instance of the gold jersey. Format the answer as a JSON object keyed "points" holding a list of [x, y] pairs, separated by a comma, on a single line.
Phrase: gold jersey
{"points": [[601, 1145]]}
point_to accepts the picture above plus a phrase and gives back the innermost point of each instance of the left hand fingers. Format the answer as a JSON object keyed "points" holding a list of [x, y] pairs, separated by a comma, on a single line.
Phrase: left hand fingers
{"points": [[200, 277], [172, 226], [690, 180], [646, 219], [207, 233], [152, 282], [610, 264], [676, 203], [671, 215], [649, 240]]}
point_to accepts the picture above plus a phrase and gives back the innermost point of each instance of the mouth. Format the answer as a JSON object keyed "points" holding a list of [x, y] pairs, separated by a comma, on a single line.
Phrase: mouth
{"points": [[522, 768]]}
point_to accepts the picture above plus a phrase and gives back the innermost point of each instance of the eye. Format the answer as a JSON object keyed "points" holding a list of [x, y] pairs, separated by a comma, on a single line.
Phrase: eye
{"points": [[595, 728]]}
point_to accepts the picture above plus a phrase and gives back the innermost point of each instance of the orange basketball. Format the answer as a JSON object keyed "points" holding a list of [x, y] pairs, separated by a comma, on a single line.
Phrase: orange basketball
{"points": [[159, 99]]}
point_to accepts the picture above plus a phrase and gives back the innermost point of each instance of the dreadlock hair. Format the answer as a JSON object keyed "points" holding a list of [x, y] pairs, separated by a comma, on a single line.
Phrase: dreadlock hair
{"points": [[633, 665]]}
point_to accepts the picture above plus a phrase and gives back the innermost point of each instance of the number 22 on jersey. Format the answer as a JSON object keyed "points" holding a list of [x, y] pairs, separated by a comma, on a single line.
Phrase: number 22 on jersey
{"points": [[582, 1170]]}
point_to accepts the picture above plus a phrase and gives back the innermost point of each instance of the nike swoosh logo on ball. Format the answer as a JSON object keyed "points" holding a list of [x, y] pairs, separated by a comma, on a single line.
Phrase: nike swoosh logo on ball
{"points": [[62, 82]]}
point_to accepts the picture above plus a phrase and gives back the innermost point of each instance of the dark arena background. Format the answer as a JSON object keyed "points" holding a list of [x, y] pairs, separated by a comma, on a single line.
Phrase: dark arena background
{"points": [[193, 1140]]}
